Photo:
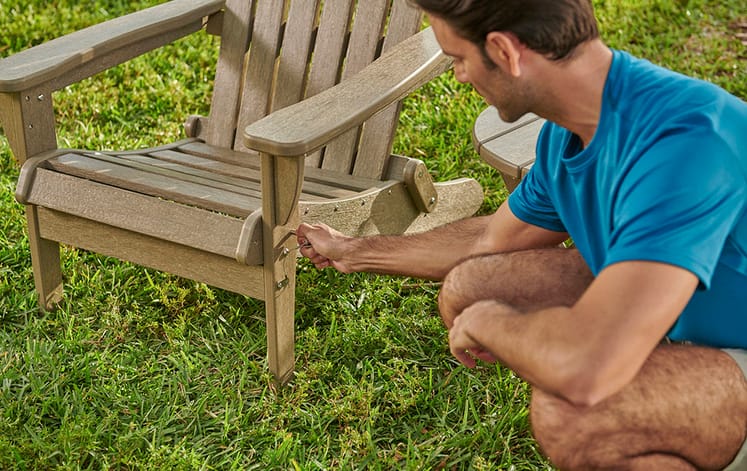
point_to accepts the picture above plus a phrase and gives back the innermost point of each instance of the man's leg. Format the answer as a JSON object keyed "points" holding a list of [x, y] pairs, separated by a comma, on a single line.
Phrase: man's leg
{"points": [[526, 280], [686, 409]]}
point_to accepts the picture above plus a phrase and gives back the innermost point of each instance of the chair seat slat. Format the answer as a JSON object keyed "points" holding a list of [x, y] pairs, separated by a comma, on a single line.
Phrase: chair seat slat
{"points": [[165, 220], [226, 172], [154, 184], [242, 159]]}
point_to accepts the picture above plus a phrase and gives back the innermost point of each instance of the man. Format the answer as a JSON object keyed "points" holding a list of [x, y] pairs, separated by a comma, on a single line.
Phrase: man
{"points": [[624, 338]]}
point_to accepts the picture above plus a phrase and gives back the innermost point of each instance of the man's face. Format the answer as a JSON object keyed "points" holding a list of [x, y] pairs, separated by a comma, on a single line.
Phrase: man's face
{"points": [[471, 65]]}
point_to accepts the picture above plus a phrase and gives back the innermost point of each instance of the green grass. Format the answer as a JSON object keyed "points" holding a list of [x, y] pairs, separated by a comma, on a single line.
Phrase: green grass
{"points": [[142, 370]]}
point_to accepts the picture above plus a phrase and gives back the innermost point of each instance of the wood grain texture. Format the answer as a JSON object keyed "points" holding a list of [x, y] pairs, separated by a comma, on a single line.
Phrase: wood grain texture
{"points": [[367, 31], [45, 260], [188, 262], [224, 109], [378, 132], [155, 217], [297, 44], [28, 121], [259, 81]]}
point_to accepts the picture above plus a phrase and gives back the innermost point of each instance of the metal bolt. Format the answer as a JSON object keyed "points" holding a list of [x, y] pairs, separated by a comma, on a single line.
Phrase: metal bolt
{"points": [[40, 98], [432, 200], [283, 283]]}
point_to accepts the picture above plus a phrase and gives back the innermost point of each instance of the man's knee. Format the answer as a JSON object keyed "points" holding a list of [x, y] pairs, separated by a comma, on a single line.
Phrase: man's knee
{"points": [[566, 435], [458, 291], [550, 420]]}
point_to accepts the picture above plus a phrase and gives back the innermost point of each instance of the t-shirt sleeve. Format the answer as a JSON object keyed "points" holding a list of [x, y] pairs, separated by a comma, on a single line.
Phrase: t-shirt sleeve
{"points": [[530, 200], [677, 205]]}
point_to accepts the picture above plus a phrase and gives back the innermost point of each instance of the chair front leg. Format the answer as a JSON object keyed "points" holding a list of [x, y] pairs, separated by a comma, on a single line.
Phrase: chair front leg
{"points": [[282, 178], [45, 260], [28, 120]]}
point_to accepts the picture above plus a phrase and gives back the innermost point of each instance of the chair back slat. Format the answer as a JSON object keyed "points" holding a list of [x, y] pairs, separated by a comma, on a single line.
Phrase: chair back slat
{"points": [[229, 70], [366, 33], [364, 42], [331, 42], [260, 67], [329, 53], [377, 134], [297, 42], [294, 49]]}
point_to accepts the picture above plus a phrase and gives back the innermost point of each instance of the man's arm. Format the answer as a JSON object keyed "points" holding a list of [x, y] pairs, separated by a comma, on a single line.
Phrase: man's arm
{"points": [[589, 351], [429, 255]]}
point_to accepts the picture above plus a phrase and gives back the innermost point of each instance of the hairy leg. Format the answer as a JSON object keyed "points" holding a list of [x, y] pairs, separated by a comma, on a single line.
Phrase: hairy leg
{"points": [[526, 280], [686, 409]]}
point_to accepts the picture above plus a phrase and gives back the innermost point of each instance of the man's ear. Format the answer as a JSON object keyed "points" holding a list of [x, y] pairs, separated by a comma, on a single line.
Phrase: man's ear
{"points": [[505, 50]]}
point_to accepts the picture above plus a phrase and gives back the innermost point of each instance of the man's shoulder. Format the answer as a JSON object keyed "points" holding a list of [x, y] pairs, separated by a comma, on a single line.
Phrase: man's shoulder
{"points": [[638, 84]]}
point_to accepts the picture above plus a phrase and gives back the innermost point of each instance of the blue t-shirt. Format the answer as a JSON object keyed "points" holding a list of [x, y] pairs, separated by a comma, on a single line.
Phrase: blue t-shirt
{"points": [[664, 179]]}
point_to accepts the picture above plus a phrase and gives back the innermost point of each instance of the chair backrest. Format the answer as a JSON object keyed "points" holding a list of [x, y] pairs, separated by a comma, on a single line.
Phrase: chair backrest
{"points": [[276, 52]]}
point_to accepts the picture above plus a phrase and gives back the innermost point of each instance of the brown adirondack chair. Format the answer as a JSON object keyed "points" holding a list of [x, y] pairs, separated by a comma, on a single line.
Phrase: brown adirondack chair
{"points": [[300, 128]]}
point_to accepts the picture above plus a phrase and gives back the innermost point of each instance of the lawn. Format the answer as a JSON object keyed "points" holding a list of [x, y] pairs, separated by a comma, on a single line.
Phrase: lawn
{"points": [[142, 370]]}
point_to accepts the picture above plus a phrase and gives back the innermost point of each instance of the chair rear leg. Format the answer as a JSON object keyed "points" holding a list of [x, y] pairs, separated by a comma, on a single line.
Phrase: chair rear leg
{"points": [[45, 259]]}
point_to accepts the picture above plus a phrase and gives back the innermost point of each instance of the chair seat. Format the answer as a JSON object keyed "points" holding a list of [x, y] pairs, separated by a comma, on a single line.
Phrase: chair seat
{"points": [[210, 198], [205, 195], [196, 174]]}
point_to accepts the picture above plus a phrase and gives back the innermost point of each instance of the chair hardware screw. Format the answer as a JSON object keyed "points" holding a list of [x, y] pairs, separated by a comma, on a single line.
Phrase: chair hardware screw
{"points": [[283, 283]]}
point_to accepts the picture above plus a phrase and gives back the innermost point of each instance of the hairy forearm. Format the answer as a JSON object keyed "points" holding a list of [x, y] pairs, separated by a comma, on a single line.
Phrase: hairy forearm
{"points": [[586, 351], [430, 255], [548, 350]]}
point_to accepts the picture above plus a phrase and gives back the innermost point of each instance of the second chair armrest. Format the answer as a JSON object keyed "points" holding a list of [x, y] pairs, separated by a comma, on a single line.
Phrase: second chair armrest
{"points": [[70, 58], [308, 125]]}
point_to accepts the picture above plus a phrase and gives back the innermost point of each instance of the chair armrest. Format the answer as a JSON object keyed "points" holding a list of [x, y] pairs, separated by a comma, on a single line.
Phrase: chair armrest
{"points": [[308, 125], [78, 55]]}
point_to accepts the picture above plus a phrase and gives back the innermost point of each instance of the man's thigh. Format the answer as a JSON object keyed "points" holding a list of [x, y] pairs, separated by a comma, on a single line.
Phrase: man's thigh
{"points": [[687, 401], [526, 280], [740, 462]]}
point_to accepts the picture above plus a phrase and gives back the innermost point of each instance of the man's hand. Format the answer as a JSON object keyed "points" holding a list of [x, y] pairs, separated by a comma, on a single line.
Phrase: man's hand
{"points": [[324, 246], [462, 339]]}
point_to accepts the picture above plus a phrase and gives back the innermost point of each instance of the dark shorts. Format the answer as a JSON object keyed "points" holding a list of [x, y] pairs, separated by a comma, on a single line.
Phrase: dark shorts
{"points": [[740, 462]]}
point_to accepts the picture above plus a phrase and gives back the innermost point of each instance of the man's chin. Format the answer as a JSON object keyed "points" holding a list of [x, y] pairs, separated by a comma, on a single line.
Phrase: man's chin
{"points": [[508, 116]]}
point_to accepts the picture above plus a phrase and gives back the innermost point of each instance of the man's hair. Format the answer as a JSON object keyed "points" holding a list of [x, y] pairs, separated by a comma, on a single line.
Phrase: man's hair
{"points": [[550, 27]]}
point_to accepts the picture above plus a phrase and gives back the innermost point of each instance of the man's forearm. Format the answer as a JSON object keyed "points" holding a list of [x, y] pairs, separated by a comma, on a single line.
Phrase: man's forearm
{"points": [[544, 347], [430, 255]]}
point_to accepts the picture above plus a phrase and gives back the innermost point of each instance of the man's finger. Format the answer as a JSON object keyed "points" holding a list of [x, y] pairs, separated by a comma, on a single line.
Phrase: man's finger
{"points": [[464, 357], [483, 355]]}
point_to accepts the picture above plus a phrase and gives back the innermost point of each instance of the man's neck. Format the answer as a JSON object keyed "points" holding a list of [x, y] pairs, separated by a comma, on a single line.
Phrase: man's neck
{"points": [[572, 98]]}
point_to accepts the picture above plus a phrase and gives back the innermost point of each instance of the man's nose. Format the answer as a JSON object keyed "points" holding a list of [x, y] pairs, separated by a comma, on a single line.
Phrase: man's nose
{"points": [[460, 74]]}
